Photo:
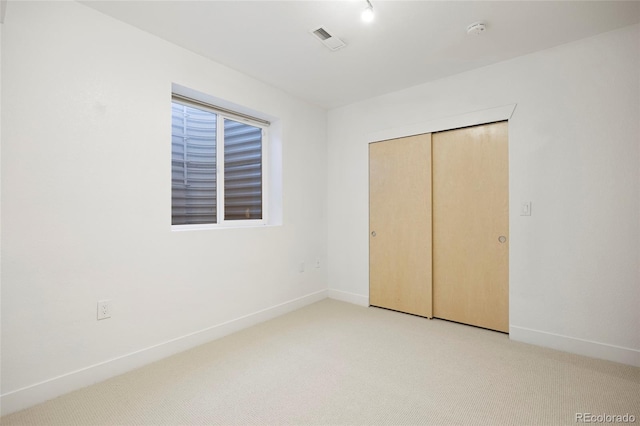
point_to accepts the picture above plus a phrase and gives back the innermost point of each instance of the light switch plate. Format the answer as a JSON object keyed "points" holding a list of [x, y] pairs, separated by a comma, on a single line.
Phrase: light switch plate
{"points": [[525, 209]]}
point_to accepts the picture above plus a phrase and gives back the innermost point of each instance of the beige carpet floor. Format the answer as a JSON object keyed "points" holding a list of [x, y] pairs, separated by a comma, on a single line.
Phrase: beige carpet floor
{"points": [[335, 363]]}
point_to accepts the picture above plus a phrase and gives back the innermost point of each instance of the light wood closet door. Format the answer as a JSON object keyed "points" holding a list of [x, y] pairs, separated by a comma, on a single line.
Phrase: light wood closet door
{"points": [[470, 226], [400, 225]]}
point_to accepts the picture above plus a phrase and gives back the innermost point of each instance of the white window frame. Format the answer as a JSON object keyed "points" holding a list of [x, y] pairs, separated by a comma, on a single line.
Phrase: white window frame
{"points": [[243, 118]]}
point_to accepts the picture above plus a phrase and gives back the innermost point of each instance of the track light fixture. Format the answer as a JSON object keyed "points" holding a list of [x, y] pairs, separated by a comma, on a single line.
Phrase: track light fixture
{"points": [[367, 14]]}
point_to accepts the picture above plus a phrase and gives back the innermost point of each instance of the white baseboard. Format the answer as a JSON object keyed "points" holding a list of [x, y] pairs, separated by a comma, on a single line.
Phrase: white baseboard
{"points": [[356, 299], [40, 392], [576, 346]]}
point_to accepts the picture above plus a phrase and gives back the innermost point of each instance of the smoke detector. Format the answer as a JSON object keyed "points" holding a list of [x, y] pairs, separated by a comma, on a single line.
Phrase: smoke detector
{"points": [[476, 28], [325, 37]]}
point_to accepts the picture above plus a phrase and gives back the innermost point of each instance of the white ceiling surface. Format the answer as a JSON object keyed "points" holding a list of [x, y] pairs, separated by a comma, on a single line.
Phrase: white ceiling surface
{"points": [[409, 42]]}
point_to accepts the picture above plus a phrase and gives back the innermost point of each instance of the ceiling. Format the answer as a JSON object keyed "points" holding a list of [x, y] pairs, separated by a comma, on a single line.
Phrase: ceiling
{"points": [[408, 43]]}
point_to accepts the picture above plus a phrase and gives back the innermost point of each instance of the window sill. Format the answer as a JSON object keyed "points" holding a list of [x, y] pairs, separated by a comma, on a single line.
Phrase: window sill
{"points": [[211, 226]]}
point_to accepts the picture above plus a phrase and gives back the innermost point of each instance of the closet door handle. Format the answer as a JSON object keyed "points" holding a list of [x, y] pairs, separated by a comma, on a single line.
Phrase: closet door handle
{"points": [[502, 239], [373, 233]]}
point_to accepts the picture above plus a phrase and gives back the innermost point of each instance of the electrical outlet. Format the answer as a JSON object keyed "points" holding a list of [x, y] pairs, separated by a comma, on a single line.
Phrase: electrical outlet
{"points": [[104, 309], [317, 263]]}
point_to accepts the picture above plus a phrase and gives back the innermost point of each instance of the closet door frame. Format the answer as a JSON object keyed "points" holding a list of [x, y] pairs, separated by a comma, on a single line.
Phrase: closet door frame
{"points": [[451, 122]]}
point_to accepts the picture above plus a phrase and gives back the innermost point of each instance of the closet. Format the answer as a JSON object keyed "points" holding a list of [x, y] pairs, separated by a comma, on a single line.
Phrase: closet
{"points": [[438, 206]]}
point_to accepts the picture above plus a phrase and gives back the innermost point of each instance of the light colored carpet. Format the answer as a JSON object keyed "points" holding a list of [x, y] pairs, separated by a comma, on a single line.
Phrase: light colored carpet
{"points": [[336, 363]]}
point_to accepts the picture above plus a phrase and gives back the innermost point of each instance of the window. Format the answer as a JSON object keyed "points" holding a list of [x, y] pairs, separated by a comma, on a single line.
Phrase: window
{"points": [[217, 172]]}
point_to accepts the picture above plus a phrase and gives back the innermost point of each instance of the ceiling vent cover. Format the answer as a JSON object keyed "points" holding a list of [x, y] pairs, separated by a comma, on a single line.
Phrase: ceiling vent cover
{"points": [[324, 36]]}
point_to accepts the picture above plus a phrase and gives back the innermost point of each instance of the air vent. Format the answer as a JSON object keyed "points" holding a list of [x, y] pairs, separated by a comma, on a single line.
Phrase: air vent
{"points": [[322, 34], [325, 37]]}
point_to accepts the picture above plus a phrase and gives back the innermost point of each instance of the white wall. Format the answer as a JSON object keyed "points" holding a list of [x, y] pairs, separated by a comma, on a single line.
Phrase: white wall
{"points": [[1, 31], [574, 152], [86, 205]]}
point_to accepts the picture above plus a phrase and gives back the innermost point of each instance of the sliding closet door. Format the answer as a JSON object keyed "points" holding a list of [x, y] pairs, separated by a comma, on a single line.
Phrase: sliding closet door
{"points": [[400, 225], [471, 226]]}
